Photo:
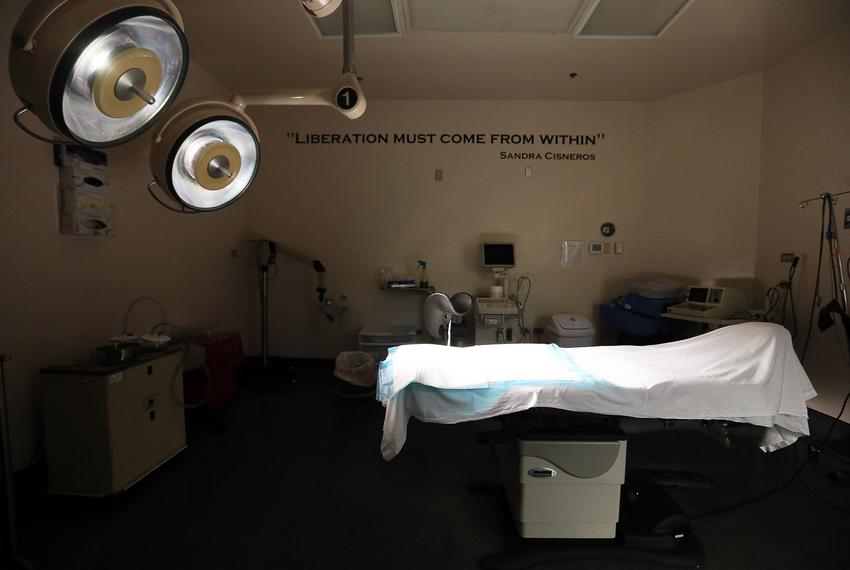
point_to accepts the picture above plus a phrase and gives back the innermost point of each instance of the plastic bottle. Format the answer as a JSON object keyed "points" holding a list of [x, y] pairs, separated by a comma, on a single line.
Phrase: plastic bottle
{"points": [[423, 274]]}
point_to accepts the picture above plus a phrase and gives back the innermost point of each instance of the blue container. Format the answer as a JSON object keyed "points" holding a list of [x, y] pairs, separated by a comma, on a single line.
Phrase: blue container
{"points": [[647, 306], [640, 316]]}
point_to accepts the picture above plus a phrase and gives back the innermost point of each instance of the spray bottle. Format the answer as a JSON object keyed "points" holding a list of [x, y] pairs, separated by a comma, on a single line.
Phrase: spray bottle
{"points": [[423, 274]]}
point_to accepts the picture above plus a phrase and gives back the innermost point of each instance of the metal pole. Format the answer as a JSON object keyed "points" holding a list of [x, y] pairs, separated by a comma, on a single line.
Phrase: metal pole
{"points": [[7, 470], [836, 254], [348, 36], [264, 316]]}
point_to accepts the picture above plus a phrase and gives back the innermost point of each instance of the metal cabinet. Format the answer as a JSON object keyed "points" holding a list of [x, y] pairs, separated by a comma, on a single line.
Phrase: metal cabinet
{"points": [[106, 427]]}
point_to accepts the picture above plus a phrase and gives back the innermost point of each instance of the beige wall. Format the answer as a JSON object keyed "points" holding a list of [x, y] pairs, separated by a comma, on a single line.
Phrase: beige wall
{"points": [[805, 153], [63, 295], [701, 185], [668, 174]]}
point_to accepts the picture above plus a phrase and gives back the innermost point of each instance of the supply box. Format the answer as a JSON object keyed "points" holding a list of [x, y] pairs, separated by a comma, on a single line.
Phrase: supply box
{"points": [[86, 206]]}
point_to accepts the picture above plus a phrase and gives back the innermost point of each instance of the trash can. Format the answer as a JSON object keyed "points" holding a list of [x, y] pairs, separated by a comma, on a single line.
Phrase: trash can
{"points": [[356, 367], [570, 331]]}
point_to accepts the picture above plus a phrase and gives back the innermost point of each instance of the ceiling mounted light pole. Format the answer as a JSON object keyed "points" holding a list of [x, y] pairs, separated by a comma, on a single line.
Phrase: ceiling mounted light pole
{"points": [[97, 72]]}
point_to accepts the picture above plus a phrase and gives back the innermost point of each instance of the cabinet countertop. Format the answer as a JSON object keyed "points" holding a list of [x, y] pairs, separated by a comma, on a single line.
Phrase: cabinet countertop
{"points": [[90, 365]]}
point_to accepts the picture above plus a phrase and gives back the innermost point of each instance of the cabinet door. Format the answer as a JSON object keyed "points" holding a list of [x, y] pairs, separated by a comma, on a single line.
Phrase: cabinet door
{"points": [[146, 423], [76, 435]]}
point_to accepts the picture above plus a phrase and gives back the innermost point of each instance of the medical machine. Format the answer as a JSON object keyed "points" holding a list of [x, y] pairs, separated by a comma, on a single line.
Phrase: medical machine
{"points": [[267, 252], [711, 302], [498, 256], [496, 320]]}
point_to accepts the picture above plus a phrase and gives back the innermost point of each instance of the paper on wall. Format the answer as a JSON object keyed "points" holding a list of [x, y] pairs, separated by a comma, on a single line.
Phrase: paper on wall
{"points": [[571, 253]]}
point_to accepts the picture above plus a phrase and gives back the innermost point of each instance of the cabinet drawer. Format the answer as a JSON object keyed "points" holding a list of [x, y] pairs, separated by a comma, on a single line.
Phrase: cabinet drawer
{"points": [[134, 384], [142, 435]]}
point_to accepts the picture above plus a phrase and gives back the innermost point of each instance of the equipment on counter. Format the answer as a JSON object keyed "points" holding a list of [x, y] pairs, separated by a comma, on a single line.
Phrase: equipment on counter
{"points": [[497, 320], [117, 353], [711, 302]]}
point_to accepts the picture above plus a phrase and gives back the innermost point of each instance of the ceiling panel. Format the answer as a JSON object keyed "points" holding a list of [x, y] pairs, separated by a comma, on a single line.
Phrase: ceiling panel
{"points": [[492, 16], [631, 18]]}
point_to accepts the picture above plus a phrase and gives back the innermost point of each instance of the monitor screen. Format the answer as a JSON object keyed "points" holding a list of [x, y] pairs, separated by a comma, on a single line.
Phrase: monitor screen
{"points": [[698, 294], [497, 255]]}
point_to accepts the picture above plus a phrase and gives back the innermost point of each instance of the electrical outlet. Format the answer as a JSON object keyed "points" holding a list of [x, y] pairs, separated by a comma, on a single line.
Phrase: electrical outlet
{"points": [[786, 257]]}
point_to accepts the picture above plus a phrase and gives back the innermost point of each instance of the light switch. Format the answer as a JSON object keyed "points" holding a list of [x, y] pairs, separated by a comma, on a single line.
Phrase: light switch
{"points": [[618, 248]]}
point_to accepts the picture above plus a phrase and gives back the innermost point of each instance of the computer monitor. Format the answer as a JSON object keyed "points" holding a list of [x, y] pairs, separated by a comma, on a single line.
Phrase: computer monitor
{"points": [[497, 255]]}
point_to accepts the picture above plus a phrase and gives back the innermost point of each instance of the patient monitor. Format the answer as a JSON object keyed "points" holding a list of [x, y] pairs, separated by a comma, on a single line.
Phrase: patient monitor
{"points": [[498, 256], [497, 317], [711, 302]]}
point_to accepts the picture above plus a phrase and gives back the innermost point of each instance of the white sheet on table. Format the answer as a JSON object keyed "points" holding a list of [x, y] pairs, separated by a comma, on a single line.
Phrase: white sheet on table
{"points": [[744, 373]]}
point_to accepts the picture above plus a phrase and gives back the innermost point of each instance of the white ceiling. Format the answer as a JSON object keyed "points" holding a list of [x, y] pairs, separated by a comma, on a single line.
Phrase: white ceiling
{"points": [[271, 44]]}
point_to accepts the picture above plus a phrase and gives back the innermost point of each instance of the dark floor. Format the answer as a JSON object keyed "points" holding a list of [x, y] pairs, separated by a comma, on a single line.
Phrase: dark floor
{"points": [[294, 479]]}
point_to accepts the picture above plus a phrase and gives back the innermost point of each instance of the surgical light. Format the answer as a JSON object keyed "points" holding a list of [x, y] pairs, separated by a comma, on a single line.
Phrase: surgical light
{"points": [[204, 156], [321, 8], [206, 153], [97, 71]]}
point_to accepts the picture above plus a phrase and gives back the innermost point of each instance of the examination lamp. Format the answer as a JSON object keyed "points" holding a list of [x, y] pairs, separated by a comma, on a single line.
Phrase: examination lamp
{"points": [[204, 156], [97, 71], [206, 153], [321, 8]]}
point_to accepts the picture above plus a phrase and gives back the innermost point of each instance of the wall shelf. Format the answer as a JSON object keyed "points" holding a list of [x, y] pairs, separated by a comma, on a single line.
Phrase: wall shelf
{"points": [[408, 289]]}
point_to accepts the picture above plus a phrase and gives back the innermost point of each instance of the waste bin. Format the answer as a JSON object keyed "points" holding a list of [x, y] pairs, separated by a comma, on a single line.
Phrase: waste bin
{"points": [[356, 367], [570, 331]]}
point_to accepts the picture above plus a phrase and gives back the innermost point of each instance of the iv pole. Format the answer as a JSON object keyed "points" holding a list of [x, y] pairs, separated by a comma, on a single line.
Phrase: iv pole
{"points": [[831, 236]]}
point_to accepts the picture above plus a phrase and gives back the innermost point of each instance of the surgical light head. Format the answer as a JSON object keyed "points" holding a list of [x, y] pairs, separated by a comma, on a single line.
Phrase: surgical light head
{"points": [[98, 71], [205, 155], [321, 8]]}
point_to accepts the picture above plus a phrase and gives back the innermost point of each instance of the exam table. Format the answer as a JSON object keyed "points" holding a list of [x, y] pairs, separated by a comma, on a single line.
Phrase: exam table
{"points": [[745, 373], [564, 484]]}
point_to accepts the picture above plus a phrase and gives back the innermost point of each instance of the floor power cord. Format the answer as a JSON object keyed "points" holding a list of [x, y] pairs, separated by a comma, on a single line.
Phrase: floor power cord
{"points": [[813, 451]]}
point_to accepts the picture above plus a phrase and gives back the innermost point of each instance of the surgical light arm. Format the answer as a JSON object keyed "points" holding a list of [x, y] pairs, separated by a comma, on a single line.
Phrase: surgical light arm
{"points": [[347, 97]]}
